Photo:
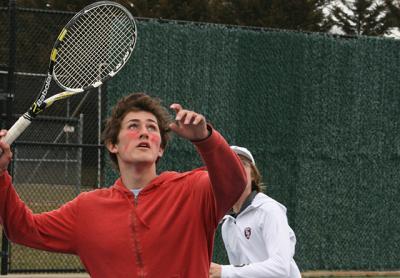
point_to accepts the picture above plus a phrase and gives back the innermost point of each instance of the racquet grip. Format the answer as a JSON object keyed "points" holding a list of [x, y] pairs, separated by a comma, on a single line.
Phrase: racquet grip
{"points": [[16, 130]]}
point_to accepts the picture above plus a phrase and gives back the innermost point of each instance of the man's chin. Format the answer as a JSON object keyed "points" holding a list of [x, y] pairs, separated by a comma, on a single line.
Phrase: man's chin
{"points": [[145, 161]]}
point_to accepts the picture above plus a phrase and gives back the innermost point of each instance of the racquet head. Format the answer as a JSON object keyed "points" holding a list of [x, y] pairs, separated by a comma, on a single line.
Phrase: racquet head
{"points": [[93, 46]]}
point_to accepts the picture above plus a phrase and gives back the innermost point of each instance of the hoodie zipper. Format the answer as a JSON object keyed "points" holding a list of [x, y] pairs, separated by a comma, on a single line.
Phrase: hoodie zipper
{"points": [[138, 254]]}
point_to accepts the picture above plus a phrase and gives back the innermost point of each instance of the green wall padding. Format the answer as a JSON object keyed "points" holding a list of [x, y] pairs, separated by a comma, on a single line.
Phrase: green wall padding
{"points": [[321, 115]]}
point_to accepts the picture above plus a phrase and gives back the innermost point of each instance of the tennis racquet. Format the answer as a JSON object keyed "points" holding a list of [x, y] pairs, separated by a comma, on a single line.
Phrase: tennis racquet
{"points": [[94, 45]]}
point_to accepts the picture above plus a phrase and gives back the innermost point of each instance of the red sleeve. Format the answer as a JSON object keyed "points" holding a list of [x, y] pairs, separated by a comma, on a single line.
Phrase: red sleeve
{"points": [[226, 172], [51, 231]]}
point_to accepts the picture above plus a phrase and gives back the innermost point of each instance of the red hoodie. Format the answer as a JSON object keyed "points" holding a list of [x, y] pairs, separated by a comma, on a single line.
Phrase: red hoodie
{"points": [[167, 231]]}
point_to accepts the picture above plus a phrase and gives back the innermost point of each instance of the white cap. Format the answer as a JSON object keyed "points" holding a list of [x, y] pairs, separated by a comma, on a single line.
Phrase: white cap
{"points": [[244, 152]]}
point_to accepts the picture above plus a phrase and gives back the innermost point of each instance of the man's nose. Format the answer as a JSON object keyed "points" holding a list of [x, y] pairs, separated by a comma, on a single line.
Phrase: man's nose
{"points": [[144, 133]]}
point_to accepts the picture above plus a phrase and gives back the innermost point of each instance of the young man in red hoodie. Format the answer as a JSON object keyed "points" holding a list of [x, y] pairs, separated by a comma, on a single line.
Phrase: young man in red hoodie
{"points": [[147, 224]]}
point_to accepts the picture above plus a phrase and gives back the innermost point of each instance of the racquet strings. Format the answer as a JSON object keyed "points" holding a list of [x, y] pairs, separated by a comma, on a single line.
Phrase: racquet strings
{"points": [[94, 46]]}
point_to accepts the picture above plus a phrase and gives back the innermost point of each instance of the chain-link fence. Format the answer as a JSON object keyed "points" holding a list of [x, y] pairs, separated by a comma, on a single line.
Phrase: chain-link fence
{"points": [[59, 155]]}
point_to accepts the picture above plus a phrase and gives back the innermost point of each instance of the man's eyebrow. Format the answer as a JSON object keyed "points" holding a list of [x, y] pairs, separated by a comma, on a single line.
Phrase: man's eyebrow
{"points": [[147, 120]]}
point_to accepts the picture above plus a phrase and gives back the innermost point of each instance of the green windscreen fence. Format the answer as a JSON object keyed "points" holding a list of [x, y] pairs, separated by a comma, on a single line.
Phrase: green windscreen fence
{"points": [[321, 114]]}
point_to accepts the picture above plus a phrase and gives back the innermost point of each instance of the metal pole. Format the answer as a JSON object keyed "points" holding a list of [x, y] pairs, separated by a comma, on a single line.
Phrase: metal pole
{"points": [[11, 63], [99, 138], [79, 156], [99, 125], [9, 109]]}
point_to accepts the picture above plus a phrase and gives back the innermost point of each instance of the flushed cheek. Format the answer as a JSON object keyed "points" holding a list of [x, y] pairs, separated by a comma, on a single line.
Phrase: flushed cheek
{"points": [[128, 137], [155, 139], [132, 135]]}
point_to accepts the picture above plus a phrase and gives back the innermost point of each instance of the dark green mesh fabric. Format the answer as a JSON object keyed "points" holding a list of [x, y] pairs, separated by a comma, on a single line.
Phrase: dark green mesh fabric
{"points": [[320, 114]]}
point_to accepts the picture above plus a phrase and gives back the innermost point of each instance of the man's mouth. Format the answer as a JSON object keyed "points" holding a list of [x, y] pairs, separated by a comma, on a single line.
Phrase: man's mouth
{"points": [[144, 145]]}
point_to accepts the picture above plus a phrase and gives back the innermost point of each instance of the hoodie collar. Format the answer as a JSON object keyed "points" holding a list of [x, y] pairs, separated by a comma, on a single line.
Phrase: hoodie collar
{"points": [[120, 186]]}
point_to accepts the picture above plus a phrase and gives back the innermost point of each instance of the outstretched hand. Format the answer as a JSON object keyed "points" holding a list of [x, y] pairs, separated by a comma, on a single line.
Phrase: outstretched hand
{"points": [[6, 154], [189, 124]]}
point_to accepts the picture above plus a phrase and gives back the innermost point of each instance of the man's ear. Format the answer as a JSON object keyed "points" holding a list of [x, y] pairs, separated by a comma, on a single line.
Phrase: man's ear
{"points": [[160, 152], [112, 148]]}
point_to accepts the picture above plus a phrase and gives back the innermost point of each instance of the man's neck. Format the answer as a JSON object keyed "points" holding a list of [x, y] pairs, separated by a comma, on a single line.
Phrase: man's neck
{"points": [[138, 176]]}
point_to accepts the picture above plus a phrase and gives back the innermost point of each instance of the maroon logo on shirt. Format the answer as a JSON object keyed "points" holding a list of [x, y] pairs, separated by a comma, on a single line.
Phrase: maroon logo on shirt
{"points": [[247, 232]]}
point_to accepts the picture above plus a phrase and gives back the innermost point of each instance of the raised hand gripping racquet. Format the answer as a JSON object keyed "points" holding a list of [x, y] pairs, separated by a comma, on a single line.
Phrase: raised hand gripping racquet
{"points": [[94, 45]]}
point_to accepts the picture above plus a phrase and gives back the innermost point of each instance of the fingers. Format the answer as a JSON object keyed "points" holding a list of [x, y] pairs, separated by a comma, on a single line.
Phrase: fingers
{"points": [[190, 117], [176, 106], [189, 124], [6, 152], [3, 133], [186, 117]]}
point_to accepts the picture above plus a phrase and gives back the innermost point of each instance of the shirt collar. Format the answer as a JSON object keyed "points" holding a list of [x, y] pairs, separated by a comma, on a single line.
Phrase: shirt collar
{"points": [[246, 203]]}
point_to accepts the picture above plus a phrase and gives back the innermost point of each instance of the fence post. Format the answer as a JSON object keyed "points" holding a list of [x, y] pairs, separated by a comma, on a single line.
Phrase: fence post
{"points": [[79, 155], [9, 108], [11, 62]]}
